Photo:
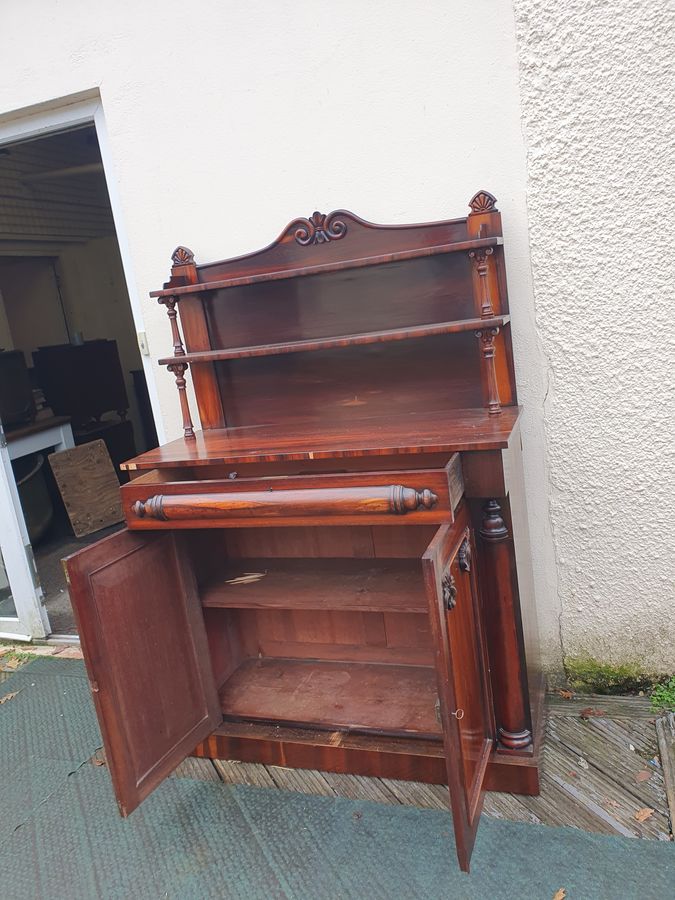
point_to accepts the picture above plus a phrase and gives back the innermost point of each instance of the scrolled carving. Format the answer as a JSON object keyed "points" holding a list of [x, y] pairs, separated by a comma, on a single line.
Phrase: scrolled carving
{"points": [[483, 202], [449, 591], [319, 229], [182, 256], [464, 555]]}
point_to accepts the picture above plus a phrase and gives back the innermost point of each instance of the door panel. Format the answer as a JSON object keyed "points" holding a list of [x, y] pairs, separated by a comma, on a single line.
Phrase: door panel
{"points": [[144, 643], [462, 675]]}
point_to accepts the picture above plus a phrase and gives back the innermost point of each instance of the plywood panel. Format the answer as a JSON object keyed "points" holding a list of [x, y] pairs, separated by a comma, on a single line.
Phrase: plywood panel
{"points": [[89, 487]]}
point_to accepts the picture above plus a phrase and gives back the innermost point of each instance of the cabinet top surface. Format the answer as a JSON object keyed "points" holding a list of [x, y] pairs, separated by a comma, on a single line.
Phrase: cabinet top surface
{"points": [[307, 439]]}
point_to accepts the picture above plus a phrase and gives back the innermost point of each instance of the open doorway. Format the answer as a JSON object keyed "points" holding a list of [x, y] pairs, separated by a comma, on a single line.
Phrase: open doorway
{"points": [[70, 371]]}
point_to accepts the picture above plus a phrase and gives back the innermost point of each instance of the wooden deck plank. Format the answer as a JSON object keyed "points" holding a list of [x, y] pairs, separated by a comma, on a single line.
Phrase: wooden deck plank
{"points": [[601, 795], [623, 733], [509, 806], [631, 707], [665, 731], [554, 806], [197, 769], [359, 787], [233, 772], [304, 781], [414, 793], [622, 766]]}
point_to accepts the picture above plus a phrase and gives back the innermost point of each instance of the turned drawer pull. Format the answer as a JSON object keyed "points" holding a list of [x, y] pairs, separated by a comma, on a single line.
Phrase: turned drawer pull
{"points": [[394, 499]]}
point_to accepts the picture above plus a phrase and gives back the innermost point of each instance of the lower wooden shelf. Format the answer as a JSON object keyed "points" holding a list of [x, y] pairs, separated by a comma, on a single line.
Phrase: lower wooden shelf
{"points": [[340, 696], [361, 585]]}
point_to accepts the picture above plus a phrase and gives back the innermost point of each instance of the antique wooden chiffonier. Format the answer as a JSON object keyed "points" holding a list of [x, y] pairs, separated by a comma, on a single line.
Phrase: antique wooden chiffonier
{"points": [[334, 573]]}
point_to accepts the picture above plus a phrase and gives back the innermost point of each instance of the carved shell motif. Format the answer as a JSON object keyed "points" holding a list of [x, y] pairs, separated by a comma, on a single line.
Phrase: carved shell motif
{"points": [[483, 202], [319, 229], [182, 256]]}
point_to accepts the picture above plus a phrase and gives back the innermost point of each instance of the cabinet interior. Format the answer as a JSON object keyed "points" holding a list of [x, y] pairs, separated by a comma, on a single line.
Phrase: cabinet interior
{"points": [[330, 629]]}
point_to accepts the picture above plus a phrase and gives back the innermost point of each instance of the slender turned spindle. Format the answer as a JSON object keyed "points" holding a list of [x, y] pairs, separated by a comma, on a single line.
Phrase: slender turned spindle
{"points": [[514, 733], [179, 368], [487, 336], [172, 313], [481, 264]]}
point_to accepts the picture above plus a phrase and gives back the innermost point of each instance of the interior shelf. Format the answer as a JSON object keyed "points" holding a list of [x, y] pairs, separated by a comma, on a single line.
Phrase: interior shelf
{"points": [[361, 585], [343, 340], [340, 696], [280, 274]]}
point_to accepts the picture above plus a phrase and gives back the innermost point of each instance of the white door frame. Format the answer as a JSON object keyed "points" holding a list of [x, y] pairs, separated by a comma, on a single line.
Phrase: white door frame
{"points": [[31, 619], [20, 125]]}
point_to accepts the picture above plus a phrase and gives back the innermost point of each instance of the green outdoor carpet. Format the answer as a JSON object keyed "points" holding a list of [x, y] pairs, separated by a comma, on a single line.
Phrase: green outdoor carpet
{"points": [[61, 835]]}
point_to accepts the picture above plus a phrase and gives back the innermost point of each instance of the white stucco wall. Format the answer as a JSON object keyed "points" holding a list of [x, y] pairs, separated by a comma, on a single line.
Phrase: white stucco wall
{"points": [[598, 89], [225, 120]]}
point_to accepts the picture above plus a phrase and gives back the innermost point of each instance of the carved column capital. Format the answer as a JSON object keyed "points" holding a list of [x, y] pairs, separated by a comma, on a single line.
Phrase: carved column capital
{"points": [[487, 336]]}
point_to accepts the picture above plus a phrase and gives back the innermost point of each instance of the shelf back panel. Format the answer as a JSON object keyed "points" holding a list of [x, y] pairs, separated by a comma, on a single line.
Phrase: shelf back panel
{"points": [[396, 295], [346, 384]]}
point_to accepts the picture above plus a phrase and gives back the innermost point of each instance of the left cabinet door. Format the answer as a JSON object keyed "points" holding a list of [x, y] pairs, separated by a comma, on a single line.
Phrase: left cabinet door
{"points": [[144, 643]]}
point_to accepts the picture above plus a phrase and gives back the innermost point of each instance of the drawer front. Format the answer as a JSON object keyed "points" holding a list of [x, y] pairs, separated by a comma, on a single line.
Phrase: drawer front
{"points": [[422, 496]]}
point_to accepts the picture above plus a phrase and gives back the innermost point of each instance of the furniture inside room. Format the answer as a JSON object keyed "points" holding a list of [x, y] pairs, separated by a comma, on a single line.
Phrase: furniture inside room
{"points": [[85, 382], [334, 572]]}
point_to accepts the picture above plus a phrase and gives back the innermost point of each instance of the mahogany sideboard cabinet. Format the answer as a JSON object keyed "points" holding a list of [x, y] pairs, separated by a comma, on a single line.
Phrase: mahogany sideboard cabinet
{"points": [[334, 573]]}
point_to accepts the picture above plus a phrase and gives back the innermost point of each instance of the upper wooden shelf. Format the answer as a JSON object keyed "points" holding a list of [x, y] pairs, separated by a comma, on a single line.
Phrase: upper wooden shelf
{"points": [[422, 431], [343, 340], [278, 275]]}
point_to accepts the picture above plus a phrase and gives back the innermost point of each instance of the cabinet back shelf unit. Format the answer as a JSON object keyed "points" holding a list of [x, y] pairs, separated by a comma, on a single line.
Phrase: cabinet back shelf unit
{"points": [[337, 563]]}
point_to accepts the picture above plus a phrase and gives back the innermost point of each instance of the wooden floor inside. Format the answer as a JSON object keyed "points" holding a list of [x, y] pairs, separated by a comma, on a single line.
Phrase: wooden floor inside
{"points": [[601, 773]]}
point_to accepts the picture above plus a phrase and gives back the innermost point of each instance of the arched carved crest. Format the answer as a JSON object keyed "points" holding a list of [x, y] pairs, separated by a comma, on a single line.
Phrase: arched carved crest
{"points": [[319, 229], [182, 256], [483, 202]]}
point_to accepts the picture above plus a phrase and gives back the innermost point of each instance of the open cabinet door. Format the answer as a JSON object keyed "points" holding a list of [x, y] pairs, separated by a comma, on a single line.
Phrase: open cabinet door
{"points": [[144, 643], [462, 675]]}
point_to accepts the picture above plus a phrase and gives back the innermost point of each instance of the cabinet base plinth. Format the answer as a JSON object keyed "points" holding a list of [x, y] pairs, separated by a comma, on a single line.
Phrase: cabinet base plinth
{"points": [[360, 754]]}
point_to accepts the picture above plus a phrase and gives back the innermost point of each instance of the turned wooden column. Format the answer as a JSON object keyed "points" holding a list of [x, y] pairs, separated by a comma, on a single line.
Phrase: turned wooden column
{"points": [[182, 260], [504, 636]]}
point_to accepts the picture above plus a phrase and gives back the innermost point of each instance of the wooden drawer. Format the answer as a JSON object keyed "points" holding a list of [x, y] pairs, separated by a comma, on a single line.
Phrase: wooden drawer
{"points": [[162, 499]]}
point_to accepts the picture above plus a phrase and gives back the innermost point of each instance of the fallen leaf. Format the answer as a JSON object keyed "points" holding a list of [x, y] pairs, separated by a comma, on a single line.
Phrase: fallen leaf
{"points": [[8, 697], [589, 712], [643, 814], [643, 775], [13, 663], [566, 695], [560, 894]]}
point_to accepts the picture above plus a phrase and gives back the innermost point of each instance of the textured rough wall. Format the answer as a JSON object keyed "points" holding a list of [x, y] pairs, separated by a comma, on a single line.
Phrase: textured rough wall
{"points": [[597, 99]]}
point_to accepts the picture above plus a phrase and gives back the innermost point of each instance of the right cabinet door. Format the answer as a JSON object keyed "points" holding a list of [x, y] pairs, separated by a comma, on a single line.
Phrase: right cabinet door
{"points": [[465, 706]]}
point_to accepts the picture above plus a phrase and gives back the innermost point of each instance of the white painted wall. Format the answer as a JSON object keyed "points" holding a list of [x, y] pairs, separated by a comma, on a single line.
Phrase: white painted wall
{"points": [[598, 102], [226, 120]]}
